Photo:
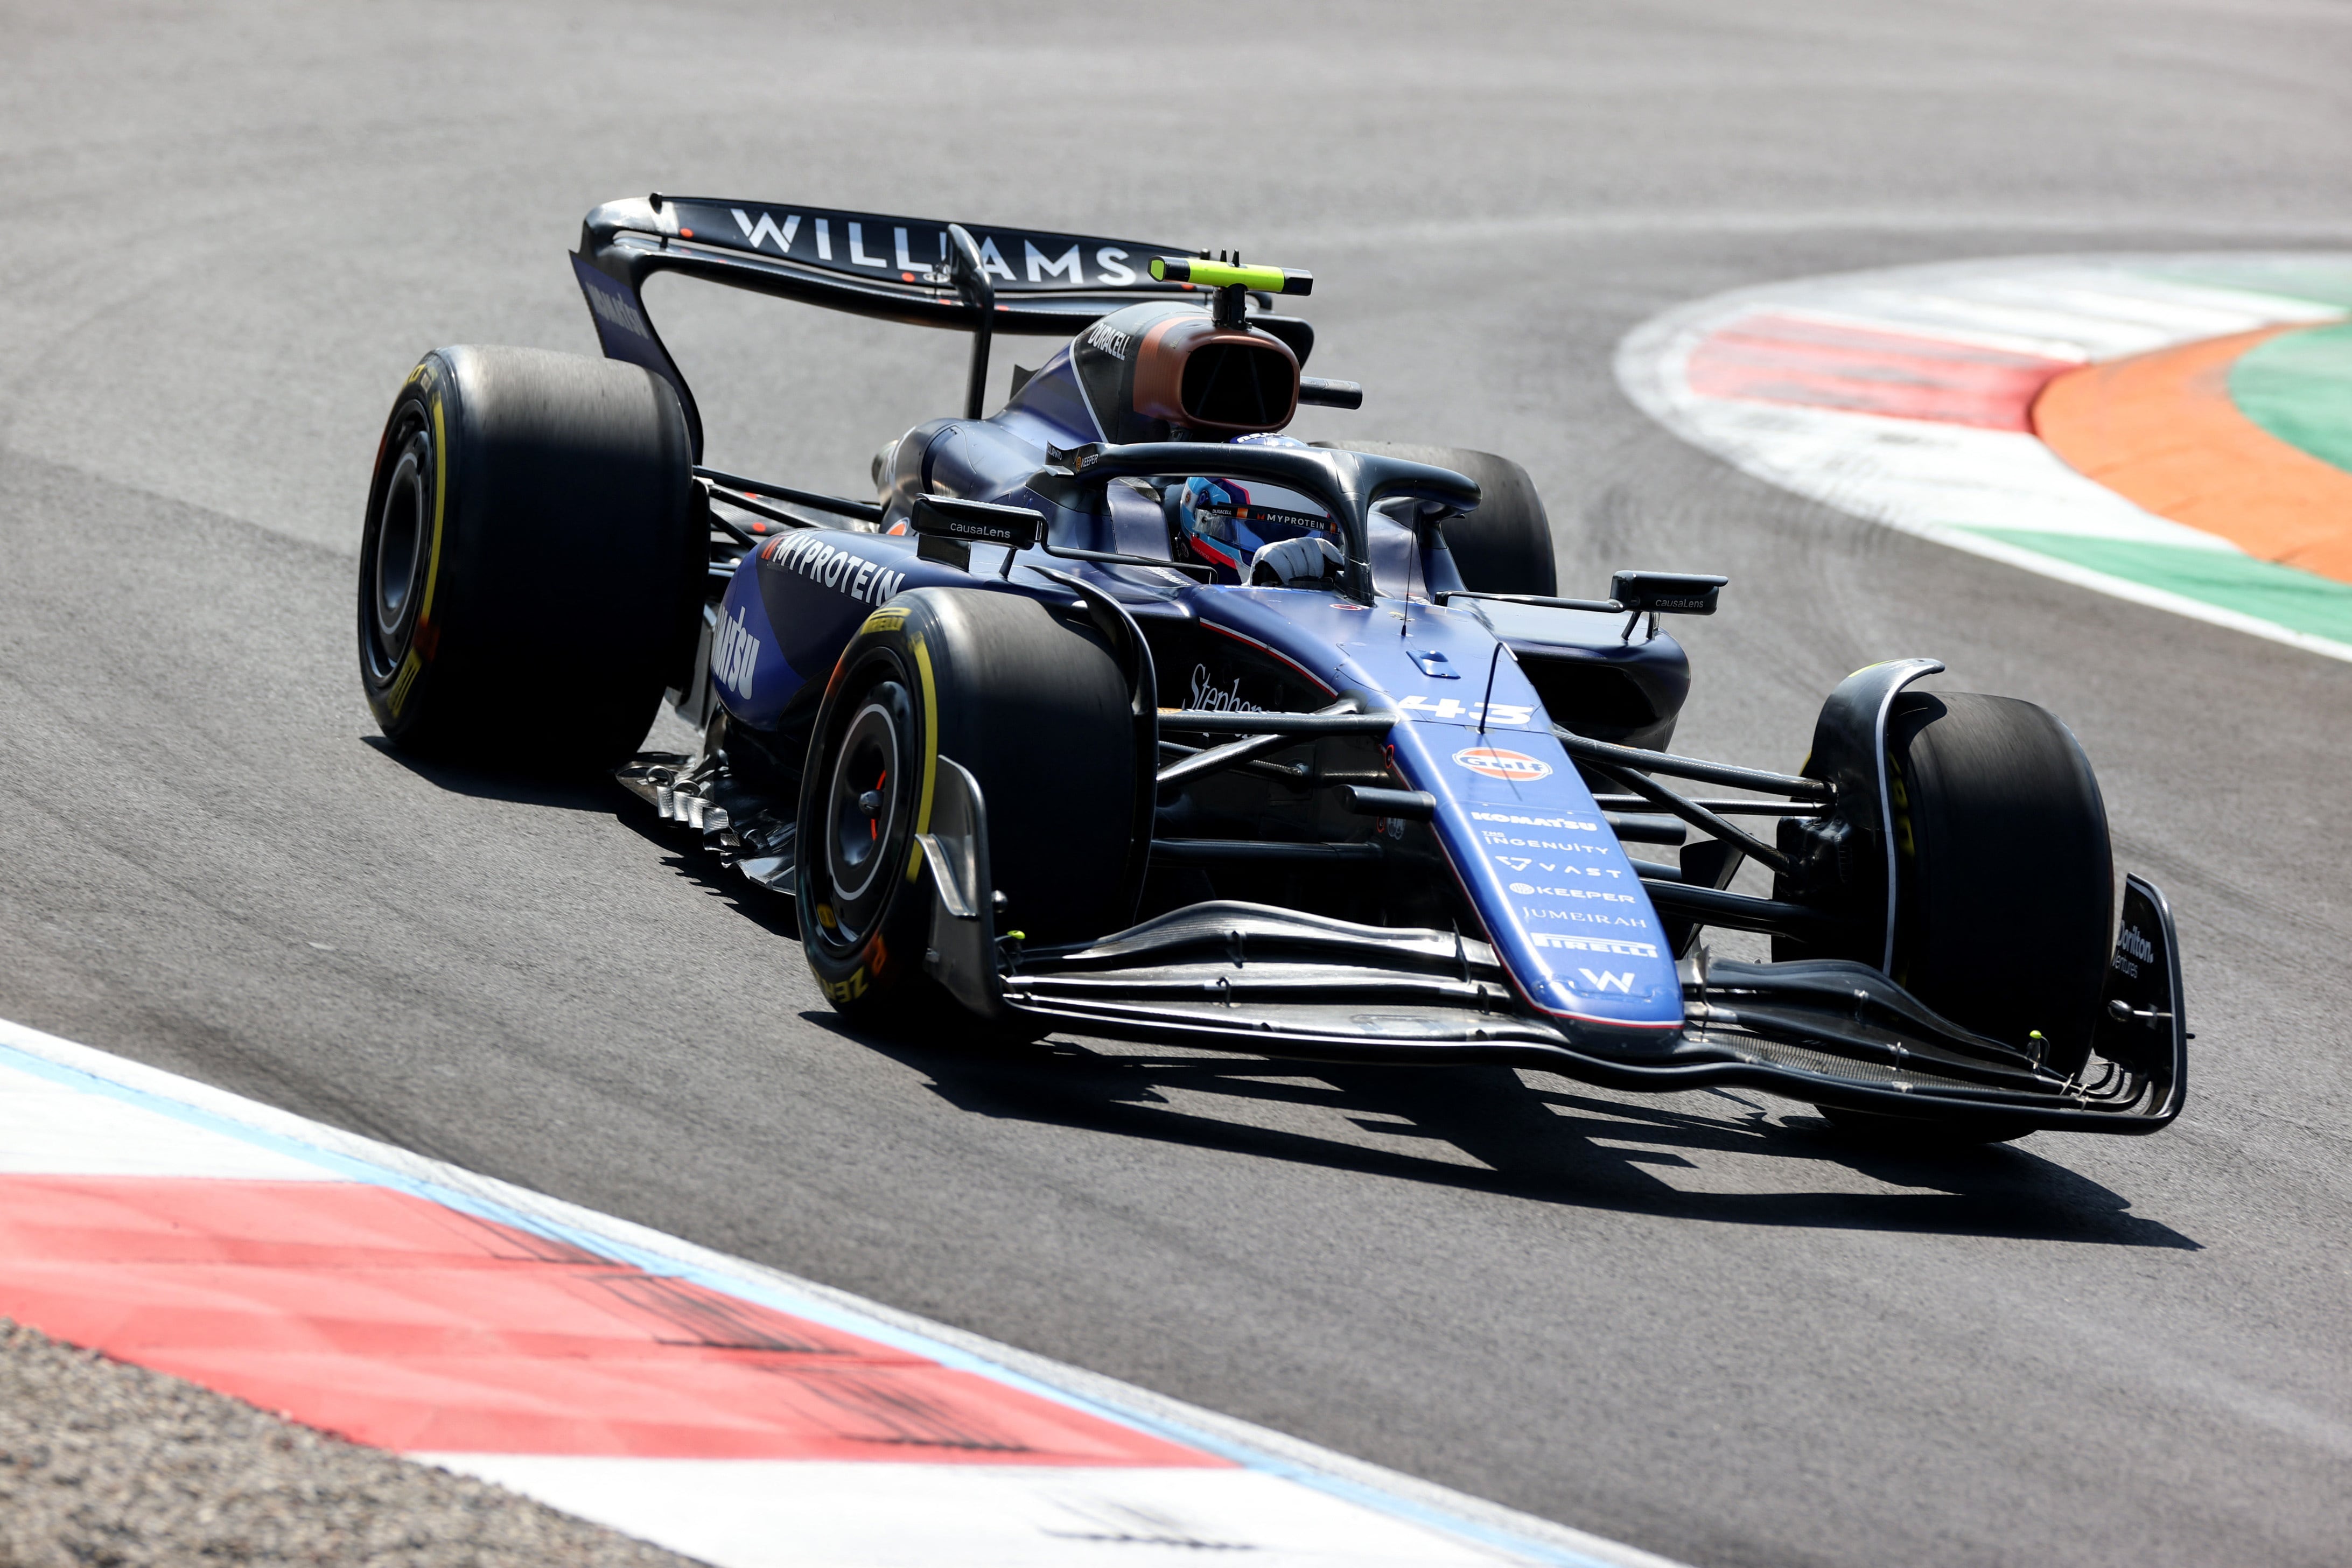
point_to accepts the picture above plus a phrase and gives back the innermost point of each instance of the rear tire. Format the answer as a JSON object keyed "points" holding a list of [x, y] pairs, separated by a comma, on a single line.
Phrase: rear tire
{"points": [[2004, 883], [530, 562], [1504, 547], [1037, 711]]}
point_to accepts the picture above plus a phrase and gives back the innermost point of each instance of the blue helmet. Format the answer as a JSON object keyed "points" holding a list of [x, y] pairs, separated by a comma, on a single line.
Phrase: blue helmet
{"points": [[1224, 523]]}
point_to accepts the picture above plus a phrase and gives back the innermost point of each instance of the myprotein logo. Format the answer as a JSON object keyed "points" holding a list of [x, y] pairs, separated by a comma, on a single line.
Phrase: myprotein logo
{"points": [[1497, 764], [838, 570], [735, 656]]}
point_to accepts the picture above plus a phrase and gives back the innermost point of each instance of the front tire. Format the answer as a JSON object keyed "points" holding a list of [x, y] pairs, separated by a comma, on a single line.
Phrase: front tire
{"points": [[2004, 883], [1038, 710], [530, 560]]}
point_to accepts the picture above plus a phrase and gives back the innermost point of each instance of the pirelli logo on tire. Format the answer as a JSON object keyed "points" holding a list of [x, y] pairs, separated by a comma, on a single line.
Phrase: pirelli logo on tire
{"points": [[398, 697]]}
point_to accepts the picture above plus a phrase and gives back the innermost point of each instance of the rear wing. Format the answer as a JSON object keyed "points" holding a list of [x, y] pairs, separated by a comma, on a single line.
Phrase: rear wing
{"points": [[922, 271]]}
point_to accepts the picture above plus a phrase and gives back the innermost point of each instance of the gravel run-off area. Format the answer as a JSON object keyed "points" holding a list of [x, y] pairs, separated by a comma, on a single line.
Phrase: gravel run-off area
{"points": [[104, 1464]]}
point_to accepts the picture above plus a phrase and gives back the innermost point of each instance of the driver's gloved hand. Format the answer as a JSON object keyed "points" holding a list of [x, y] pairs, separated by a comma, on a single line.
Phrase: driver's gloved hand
{"points": [[1295, 562]]}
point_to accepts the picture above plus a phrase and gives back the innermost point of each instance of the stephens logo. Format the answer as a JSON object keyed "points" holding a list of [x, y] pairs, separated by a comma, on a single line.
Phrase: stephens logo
{"points": [[1207, 697], [1497, 764]]}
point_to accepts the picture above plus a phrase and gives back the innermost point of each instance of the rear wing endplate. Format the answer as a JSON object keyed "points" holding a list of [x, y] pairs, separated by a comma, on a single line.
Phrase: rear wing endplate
{"points": [[914, 270]]}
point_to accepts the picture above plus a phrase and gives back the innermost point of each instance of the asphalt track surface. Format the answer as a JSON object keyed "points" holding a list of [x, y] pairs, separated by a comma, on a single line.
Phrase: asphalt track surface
{"points": [[1693, 1323]]}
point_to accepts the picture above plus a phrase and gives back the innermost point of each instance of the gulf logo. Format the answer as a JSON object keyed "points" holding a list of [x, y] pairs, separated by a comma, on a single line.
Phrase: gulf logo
{"points": [[1497, 764]]}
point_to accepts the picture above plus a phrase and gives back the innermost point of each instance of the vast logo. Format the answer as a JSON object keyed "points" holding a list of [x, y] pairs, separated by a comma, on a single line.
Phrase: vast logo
{"points": [[1497, 764], [734, 655]]}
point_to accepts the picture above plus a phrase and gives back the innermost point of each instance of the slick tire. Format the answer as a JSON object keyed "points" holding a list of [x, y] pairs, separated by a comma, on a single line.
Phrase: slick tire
{"points": [[2004, 881], [531, 561], [1504, 547], [1036, 709]]}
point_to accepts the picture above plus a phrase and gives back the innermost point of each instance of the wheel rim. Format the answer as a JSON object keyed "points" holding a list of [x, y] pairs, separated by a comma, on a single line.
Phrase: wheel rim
{"points": [[400, 539], [861, 807], [391, 584]]}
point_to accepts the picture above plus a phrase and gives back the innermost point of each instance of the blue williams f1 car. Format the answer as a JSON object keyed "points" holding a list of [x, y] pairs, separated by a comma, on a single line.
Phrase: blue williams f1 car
{"points": [[1118, 710]]}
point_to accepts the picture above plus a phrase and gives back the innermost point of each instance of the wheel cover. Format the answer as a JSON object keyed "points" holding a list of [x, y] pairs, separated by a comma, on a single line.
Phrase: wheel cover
{"points": [[398, 549], [863, 802]]}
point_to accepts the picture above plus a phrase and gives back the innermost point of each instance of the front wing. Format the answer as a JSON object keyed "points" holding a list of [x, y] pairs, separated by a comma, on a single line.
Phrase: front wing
{"points": [[1280, 983]]}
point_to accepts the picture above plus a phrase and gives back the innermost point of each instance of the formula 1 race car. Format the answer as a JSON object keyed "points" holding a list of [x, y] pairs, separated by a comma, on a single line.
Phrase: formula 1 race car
{"points": [[1119, 711]]}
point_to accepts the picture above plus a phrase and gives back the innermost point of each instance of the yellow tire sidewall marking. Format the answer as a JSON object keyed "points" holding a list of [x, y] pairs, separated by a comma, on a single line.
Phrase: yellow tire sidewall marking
{"points": [[930, 755]]}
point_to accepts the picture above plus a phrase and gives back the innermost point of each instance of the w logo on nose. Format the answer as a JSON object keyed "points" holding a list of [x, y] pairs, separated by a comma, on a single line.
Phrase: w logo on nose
{"points": [[1608, 980]]}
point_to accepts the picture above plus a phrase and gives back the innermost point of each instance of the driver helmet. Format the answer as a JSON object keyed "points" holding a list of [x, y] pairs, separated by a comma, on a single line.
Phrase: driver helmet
{"points": [[1224, 523]]}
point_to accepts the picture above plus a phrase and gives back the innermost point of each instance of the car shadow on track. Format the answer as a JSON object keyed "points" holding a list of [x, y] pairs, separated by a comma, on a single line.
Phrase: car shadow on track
{"points": [[605, 797], [564, 793], [1487, 1129]]}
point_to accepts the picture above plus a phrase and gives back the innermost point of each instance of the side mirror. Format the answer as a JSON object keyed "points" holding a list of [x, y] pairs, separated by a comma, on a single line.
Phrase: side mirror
{"points": [[1666, 592], [946, 529]]}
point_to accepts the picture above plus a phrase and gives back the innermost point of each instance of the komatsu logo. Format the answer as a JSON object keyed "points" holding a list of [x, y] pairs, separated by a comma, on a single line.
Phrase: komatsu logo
{"points": [[839, 570], [734, 656]]}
